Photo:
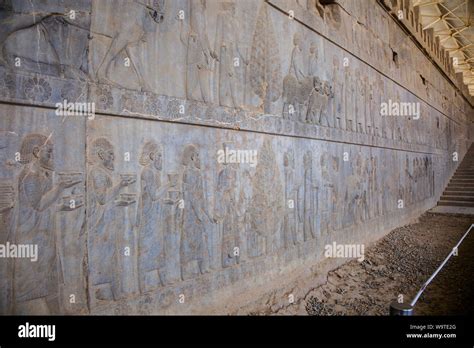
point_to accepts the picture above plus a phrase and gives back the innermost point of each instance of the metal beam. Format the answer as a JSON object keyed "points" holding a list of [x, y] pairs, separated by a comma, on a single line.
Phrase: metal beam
{"points": [[452, 35], [427, 4], [454, 9]]}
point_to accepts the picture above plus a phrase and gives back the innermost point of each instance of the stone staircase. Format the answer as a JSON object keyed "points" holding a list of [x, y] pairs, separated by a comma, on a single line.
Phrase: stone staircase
{"points": [[460, 190]]}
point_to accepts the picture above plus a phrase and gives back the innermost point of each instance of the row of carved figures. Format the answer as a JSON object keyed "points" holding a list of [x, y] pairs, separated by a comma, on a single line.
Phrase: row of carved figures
{"points": [[346, 100], [167, 233]]}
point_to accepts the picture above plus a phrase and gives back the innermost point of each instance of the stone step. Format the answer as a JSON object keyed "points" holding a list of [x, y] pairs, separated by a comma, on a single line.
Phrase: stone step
{"points": [[462, 181], [458, 193], [460, 188], [457, 198], [467, 187], [456, 203]]}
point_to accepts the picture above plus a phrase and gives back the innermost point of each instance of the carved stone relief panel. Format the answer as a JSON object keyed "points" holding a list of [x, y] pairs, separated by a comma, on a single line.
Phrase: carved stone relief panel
{"points": [[178, 210], [265, 77], [223, 150], [46, 38], [43, 202]]}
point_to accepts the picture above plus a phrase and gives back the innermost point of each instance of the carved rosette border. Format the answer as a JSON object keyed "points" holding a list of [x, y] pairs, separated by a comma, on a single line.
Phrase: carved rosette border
{"points": [[115, 101]]}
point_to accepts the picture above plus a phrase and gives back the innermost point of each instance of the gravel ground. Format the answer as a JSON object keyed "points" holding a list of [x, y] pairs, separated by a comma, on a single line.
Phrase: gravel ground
{"points": [[399, 264]]}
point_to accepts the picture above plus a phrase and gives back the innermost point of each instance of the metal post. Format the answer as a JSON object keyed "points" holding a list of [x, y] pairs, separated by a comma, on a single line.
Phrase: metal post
{"points": [[400, 309]]}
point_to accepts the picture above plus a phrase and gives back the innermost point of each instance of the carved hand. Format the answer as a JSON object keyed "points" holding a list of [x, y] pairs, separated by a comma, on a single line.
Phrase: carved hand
{"points": [[68, 183], [214, 55], [126, 182], [5, 209]]}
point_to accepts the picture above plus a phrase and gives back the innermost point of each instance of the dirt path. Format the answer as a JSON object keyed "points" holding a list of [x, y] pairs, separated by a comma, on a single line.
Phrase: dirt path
{"points": [[399, 264]]}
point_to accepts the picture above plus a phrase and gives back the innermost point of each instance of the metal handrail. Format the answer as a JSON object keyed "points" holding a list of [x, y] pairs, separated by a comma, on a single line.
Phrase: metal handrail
{"points": [[439, 268], [404, 309]]}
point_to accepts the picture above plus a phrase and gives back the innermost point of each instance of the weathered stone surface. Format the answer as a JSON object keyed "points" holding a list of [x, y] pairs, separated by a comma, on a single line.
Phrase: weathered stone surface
{"points": [[137, 209]]}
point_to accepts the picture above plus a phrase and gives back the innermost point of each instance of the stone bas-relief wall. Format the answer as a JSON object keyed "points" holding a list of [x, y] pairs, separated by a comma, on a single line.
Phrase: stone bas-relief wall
{"points": [[132, 209], [167, 221]]}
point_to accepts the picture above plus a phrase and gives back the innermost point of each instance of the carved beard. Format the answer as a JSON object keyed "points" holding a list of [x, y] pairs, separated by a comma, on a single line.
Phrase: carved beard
{"points": [[109, 165], [46, 164], [158, 164], [49, 165]]}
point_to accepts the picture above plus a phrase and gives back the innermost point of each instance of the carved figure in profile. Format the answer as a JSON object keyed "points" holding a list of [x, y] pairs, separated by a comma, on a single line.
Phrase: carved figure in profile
{"points": [[417, 175], [172, 218], [150, 218], [200, 56], [360, 102], [375, 107], [350, 106], [381, 92], [335, 203], [326, 95], [195, 258], [360, 198], [355, 194], [70, 224], [130, 26], [369, 117], [309, 200], [229, 211], [35, 284], [349, 207], [320, 93], [375, 197], [46, 32], [327, 197], [101, 193], [314, 68], [315, 104], [290, 221], [296, 86], [408, 182], [248, 237], [230, 57]]}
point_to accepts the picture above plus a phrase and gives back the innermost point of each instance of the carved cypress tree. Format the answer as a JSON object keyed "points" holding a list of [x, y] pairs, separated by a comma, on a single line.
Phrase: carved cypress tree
{"points": [[267, 201], [265, 69]]}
